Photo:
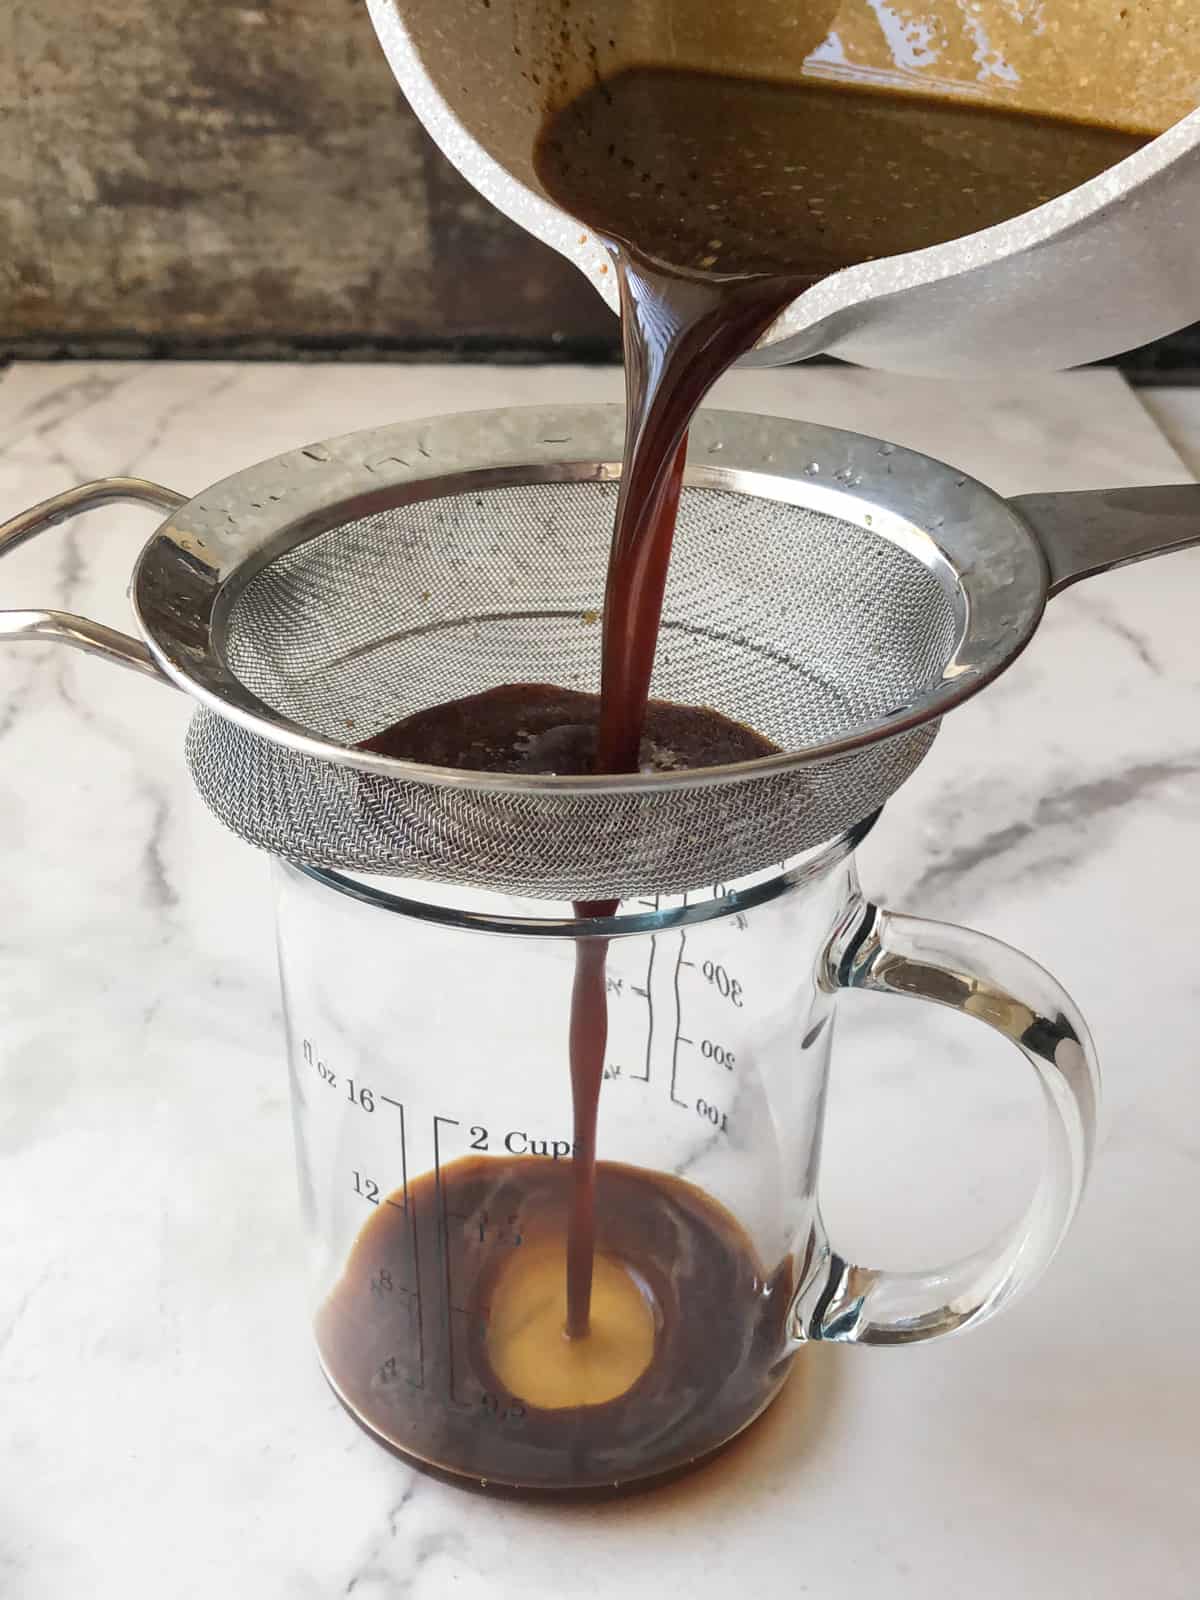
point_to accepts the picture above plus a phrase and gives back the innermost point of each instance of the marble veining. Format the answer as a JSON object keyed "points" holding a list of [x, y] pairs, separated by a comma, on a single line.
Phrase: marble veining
{"points": [[163, 1426]]}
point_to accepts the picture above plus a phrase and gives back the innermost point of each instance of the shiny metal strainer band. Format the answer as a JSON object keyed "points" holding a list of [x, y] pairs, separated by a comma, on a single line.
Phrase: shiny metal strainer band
{"points": [[552, 845]]}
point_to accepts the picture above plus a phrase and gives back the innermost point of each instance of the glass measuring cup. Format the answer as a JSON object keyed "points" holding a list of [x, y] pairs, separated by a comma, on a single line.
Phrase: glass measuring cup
{"points": [[427, 1035]]}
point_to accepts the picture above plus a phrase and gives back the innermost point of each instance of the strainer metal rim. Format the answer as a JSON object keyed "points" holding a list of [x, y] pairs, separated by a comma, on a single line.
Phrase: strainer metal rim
{"points": [[192, 570]]}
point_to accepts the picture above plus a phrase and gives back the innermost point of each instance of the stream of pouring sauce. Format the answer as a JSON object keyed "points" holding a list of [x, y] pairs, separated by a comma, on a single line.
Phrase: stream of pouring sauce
{"points": [[721, 199]]}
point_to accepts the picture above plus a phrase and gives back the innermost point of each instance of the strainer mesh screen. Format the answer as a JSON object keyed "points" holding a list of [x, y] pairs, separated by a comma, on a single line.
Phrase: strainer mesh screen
{"points": [[802, 625], [787, 619]]}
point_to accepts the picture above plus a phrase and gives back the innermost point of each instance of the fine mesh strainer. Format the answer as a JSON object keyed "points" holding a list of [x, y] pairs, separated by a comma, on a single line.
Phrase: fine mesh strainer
{"points": [[836, 593]]}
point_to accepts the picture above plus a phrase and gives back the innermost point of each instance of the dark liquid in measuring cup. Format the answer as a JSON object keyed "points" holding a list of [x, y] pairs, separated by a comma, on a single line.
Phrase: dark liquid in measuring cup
{"points": [[474, 1372], [721, 199]]}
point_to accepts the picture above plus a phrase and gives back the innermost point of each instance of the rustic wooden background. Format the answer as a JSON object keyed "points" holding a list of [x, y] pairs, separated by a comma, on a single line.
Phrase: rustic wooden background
{"points": [[207, 176], [174, 172]]}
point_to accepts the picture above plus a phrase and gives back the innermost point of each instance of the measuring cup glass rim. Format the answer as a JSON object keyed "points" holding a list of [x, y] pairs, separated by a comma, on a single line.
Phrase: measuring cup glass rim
{"points": [[755, 890]]}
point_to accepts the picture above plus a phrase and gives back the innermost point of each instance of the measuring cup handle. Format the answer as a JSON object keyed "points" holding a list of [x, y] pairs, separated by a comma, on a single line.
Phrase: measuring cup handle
{"points": [[62, 626], [981, 977]]}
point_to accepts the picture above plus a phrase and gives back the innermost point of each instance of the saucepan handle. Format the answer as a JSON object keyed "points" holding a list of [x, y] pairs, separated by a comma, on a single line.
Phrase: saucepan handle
{"points": [[1097, 529], [61, 626]]}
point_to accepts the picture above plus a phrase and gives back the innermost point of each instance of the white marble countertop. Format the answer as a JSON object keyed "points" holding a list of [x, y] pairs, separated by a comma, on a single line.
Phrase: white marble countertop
{"points": [[164, 1429]]}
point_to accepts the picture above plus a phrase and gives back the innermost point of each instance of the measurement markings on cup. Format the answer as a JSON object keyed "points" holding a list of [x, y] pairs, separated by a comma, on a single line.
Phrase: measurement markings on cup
{"points": [[443, 1221], [711, 1048], [647, 994], [383, 1282], [680, 963], [682, 986]]}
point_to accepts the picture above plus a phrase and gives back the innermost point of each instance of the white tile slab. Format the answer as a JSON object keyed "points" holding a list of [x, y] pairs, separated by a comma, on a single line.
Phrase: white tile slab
{"points": [[1176, 410]]}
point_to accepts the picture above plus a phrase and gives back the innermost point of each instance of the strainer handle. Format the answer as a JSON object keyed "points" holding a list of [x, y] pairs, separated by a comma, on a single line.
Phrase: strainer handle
{"points": [[1094, 530], [981, 977], [62, 626]]}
